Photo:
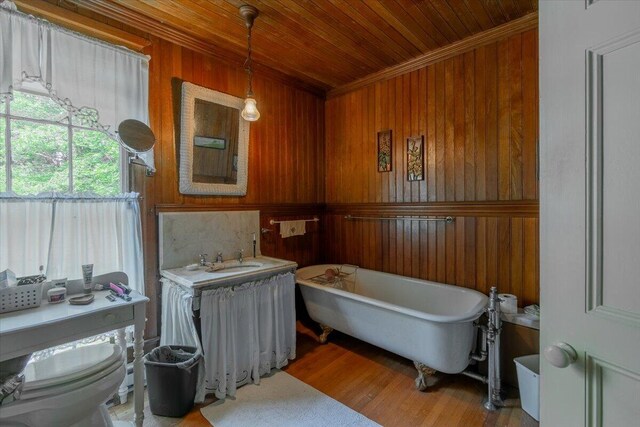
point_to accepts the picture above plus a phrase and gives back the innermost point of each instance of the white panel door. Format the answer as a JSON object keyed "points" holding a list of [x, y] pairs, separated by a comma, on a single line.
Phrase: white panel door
{"points": [[590, 212]]}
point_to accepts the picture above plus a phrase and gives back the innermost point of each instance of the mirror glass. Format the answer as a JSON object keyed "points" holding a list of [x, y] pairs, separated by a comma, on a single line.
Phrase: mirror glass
{"points": [[214, 141], [135, 136]]}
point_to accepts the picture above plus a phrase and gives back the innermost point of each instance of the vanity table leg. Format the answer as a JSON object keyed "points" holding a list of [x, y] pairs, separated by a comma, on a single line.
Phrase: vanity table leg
{"points": [[138, 379], [123, 391]]}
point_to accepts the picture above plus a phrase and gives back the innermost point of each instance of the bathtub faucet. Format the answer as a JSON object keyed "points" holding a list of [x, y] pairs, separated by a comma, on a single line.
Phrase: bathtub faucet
{"points": [[490, 350], [494, 327]]}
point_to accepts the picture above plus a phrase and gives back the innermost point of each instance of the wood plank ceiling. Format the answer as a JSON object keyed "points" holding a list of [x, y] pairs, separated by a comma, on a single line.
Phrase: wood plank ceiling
{"points": [[321, 43]]}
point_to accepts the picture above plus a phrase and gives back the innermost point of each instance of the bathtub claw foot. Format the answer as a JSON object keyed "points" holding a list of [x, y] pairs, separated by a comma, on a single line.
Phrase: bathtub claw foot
{"points": [[326, 330], [423, 373]]}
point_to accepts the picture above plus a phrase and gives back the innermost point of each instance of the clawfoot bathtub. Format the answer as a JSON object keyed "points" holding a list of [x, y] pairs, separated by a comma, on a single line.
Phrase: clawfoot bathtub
{"points": [[429, 323]]}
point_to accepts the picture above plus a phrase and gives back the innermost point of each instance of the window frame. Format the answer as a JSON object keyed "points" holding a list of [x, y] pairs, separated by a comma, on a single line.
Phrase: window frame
{"points": [[67, 122]]}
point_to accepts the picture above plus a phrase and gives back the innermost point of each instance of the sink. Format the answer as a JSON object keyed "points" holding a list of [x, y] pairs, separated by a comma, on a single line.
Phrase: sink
{"points": [[235, 264], [222, 267]]}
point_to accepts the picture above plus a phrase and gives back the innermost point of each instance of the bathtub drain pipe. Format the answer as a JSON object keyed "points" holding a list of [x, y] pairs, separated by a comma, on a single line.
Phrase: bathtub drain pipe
{"points": [[482, 356], [494, 327], [476, 376]]}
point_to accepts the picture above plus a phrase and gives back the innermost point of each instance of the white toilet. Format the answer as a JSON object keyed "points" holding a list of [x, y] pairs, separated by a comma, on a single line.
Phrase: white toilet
{"points": [[68, 389]]}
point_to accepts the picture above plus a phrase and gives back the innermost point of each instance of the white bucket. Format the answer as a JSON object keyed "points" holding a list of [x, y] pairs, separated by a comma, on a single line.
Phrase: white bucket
{"points": [[528, 369]]}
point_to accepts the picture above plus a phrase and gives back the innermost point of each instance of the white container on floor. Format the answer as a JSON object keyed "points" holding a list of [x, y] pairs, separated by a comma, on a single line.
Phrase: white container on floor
{"points": [[528, 369]]}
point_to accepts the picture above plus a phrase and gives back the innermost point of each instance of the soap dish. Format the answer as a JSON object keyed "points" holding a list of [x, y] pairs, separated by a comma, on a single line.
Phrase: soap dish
{"points": [[83, 300], [191, 267]]}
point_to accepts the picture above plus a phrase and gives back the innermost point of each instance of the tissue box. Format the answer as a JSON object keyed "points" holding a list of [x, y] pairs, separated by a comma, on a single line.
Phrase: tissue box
{"points": [[7, 278]]}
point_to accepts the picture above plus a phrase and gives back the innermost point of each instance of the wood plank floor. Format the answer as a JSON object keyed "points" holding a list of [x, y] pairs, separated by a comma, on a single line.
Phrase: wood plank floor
{"points": [[377, 384]]}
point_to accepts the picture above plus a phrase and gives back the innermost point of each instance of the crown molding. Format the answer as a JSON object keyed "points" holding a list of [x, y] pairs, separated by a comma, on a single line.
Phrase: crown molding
{"points": [[527, 22]]}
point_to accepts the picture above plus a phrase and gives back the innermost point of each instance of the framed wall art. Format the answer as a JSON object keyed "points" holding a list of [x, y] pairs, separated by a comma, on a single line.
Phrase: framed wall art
{"points": [[415, 158], [384, 151]]}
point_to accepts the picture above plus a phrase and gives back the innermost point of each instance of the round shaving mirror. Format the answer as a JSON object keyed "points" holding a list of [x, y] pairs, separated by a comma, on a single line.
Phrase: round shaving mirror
{"points": [[135, 136]]}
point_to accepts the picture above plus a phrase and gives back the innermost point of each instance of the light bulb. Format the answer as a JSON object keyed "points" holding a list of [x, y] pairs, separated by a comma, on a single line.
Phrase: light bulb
{"points": [[250, 112]]}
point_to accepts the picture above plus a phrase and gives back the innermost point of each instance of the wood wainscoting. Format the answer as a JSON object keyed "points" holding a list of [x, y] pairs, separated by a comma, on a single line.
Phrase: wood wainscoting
{"points": [[488, 244]]}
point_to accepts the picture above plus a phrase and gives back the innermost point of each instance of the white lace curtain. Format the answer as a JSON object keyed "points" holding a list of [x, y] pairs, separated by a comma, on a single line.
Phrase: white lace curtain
{"points": [[63, 232], [99, 83], [177, 317], [247, 331]]}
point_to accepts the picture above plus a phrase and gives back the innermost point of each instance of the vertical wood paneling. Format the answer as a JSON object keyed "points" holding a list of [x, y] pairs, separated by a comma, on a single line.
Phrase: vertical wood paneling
{"points": [[469, 127], [449, 131], [515, 108], [504, 124], [529, 115], [478, 113], [286, 154], [440, 132], [491, 123], [474, 252]]}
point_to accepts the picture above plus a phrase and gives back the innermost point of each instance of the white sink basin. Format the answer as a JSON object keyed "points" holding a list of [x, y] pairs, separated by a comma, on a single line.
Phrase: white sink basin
{"points": [[229, 265]]}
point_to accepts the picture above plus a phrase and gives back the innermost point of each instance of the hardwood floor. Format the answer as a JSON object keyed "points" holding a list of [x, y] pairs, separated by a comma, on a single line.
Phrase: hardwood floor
{"points": [[377, 384]]}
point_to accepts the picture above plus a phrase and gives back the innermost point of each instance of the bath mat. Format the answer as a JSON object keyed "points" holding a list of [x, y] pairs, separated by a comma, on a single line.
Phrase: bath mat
{"points": [[282, 401]]}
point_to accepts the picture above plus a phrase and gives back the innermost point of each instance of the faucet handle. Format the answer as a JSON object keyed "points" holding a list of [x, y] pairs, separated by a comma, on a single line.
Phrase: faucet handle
{"points": [[203, 259], [241, 255], [219, 257]]}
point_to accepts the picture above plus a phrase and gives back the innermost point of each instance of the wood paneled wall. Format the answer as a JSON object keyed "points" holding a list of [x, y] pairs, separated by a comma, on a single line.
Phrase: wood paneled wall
{"points": [[286, 152], [478, 112]]}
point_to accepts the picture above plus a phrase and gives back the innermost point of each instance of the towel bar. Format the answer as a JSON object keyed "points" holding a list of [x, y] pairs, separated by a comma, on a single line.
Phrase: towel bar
{"points": [[305, 220]]}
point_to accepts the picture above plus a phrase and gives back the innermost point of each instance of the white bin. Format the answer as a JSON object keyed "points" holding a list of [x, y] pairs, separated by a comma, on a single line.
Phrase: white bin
{"points": [[528, 369]]}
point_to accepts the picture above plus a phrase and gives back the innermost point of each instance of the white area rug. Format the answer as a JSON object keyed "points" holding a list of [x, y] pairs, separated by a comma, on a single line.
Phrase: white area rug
{"points": [[282, 401]]}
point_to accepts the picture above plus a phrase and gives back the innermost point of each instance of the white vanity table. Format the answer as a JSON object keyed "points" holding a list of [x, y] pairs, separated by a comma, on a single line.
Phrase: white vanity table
{"points": [[26, 331]]}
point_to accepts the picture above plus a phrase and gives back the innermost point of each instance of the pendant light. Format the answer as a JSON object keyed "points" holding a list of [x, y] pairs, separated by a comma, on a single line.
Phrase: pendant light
{"points": [[250, 112]]}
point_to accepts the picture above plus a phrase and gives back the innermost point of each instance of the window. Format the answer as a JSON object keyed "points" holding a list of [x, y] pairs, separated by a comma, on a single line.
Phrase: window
{"points": [[43, 148]]}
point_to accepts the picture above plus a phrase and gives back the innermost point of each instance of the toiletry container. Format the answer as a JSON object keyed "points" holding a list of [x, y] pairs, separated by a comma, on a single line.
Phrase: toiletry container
{"points": [[67, 389], [56, 295]]}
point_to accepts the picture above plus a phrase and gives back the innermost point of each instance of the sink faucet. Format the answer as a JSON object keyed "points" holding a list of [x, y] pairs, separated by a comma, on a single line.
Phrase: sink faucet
{"points": [[203, 259], [240, 256], [219, 257]]}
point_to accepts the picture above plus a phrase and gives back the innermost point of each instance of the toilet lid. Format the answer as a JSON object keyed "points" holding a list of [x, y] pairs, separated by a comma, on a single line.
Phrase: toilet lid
{"points": [[70, 365]]}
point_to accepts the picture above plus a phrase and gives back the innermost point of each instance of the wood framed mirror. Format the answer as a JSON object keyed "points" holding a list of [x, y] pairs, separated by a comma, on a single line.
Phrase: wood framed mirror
{"points": [[214, 143]]}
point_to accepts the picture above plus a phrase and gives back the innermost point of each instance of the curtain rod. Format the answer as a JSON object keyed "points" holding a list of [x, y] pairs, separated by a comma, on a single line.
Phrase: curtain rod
{"points": [[74, 33], [290, 220]]}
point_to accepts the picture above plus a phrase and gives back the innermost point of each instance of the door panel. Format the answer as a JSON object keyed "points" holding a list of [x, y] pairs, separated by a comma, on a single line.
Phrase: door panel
{"points": [[608, 396], [590, 210], [613, 189]]}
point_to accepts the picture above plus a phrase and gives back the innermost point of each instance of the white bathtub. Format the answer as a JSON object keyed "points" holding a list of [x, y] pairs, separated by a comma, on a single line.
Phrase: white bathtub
{"points": [[427, 322]]}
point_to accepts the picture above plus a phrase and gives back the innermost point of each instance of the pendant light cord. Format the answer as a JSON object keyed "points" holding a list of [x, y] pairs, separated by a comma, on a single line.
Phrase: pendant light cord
{"points": [[248, 62]]}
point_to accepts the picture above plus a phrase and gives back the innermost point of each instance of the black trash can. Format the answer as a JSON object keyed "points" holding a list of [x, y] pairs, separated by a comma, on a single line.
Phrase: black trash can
{"points": [[172, 376]]}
